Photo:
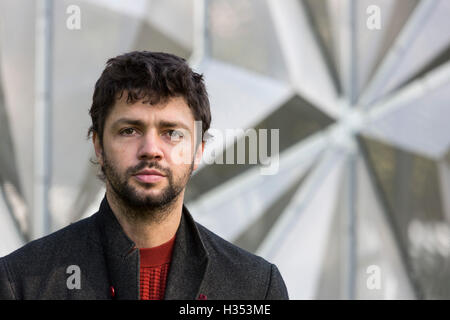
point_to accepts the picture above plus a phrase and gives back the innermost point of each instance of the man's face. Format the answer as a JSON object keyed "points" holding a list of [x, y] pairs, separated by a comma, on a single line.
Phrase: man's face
{"points": [[138, 138]]}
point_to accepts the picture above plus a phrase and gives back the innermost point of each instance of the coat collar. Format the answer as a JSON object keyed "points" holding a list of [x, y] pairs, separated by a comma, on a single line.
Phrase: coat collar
{"points": [[189, 261], [188, 265]]}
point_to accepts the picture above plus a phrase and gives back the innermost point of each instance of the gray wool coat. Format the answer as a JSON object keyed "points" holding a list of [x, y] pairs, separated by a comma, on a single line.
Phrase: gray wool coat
{"points": [[203, 265]]}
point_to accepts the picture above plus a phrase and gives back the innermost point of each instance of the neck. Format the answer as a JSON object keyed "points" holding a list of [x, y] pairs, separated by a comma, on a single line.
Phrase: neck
{"points": [[147, 233]]}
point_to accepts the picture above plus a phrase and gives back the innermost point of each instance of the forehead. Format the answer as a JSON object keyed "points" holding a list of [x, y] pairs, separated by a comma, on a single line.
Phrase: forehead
{"points": [[174, 109]]}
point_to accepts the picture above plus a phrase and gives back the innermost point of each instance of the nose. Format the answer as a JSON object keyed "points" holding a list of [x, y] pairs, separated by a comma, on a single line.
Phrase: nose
{"points": [[150, 147]]}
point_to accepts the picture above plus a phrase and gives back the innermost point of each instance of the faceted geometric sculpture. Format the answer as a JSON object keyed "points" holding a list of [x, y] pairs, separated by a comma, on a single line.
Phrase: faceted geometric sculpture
{"points": [[360, 205]]}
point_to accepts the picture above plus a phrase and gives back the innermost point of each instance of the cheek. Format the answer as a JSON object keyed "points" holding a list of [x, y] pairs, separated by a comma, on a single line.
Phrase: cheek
{"points": [[181, 173], [121, 156], [180, 154]]}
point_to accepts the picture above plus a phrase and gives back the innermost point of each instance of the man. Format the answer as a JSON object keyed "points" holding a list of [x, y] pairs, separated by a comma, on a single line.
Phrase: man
{"points": [[142, 243]]}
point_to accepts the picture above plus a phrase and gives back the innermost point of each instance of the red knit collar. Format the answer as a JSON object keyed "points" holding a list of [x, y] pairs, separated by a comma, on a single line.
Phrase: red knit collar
{"points": [[156, 256]]}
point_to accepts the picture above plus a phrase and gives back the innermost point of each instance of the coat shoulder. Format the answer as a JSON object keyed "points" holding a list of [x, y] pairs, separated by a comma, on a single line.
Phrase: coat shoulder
{"points": [[253, 277], [242, 274], [227, 251], [39, 269], [56, 246]]}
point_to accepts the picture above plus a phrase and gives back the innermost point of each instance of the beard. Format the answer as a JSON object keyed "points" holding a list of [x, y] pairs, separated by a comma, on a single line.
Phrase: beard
{"points": [[136, 204]]}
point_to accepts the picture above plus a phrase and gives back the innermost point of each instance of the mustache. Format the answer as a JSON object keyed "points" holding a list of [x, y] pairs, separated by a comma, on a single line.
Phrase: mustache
{"points": [[147, 165]]}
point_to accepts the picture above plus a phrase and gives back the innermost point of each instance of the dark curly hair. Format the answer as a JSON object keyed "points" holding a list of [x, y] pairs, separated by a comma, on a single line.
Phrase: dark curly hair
{"points": [[153, 76]]}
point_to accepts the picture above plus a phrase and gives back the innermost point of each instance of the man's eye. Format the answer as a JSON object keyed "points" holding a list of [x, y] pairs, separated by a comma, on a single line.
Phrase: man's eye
{"points": [[175, 135], [127, 131]]}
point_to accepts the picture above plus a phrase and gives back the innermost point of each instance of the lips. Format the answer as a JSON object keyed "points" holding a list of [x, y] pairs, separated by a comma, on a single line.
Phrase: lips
{"points": [[149, 176], [149, 172]]}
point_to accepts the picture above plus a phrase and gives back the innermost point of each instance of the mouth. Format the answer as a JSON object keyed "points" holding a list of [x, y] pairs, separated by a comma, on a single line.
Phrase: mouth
{"points": [[149, 176]]}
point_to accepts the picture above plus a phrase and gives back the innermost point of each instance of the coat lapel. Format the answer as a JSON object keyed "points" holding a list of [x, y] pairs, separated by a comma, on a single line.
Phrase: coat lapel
{"points": [[121, 256], [189, 262]]}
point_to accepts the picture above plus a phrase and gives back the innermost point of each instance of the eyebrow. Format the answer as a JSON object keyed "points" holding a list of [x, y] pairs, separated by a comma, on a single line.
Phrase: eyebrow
{"points": [[161, 124]]}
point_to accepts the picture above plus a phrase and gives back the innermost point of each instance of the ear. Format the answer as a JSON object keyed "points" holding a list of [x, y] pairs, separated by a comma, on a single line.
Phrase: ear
{"points": [[198, 155], [97, 147]]}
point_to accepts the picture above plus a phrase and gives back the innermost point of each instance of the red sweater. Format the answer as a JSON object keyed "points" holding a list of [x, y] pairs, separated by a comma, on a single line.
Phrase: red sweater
{"points": [[154, 268]]}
